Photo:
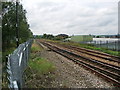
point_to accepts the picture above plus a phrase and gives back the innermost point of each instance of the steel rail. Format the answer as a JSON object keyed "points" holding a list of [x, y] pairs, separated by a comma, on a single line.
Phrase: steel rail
{"points": [[95, 61], [111, 57], [94, 54], [88, 51], [109, 75]]}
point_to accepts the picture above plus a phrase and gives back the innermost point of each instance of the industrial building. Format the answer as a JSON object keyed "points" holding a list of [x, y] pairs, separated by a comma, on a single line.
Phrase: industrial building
{"points": [[82, 38]]}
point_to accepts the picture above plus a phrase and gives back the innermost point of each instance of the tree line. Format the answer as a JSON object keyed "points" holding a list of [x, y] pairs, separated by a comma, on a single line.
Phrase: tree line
{"points": [[52, 37], [9, 25]]}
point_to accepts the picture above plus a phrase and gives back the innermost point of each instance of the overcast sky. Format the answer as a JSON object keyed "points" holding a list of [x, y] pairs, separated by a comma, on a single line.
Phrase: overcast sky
{"points": [[72, 16]]}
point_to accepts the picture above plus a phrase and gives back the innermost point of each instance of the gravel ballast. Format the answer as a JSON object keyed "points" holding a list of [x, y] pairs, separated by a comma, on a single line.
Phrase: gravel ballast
{"points": [[70, 75]]}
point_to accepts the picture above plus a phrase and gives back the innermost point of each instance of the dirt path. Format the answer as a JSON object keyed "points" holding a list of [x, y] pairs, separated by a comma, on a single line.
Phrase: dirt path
{"points": [[70, 75]]}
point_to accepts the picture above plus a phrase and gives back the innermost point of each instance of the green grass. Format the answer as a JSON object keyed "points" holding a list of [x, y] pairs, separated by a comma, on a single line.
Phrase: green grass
{"points": [[35, 47], [41, 66], [40, 71], [38, 64], [39, 74], [89, 46], [105, 50]]}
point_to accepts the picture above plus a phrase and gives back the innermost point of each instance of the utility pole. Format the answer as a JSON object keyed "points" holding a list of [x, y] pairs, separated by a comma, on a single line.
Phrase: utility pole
{"points": [[17, 38]]}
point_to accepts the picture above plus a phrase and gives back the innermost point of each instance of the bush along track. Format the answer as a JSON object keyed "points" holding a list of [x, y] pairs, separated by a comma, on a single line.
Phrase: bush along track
{"points": [[40, 72]]}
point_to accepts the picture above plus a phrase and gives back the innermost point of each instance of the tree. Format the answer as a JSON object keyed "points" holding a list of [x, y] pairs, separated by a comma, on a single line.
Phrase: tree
{"points": [[48, 36], [9, 24], [61, 36]]}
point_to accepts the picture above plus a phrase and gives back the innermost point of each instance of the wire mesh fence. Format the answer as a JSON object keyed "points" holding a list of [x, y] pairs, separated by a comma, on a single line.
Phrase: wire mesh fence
{"points": [[17, 62]]}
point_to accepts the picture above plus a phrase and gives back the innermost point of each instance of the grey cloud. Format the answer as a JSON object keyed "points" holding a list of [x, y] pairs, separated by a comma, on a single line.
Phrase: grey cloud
{"points": [[50, 6], [73, 17]]}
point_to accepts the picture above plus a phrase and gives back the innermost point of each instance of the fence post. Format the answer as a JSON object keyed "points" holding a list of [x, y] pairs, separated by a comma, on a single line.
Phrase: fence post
{"points": [[107, 44]]}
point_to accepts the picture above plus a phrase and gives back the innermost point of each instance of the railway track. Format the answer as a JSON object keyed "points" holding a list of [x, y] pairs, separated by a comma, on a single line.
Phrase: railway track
{"points": [[96, 55], [108, 71]]}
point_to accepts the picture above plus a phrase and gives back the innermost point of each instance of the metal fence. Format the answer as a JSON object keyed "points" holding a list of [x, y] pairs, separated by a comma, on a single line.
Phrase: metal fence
{"points": [[17, 62], [114, 45]]}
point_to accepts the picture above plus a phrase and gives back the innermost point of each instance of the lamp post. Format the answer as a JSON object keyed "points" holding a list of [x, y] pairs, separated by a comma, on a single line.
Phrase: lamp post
{"points": [[17, 38]]}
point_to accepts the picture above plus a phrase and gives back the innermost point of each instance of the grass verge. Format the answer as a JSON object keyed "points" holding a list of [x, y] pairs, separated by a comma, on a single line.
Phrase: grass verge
{"points": [[35, 47], [41, 66], [40, 71]]}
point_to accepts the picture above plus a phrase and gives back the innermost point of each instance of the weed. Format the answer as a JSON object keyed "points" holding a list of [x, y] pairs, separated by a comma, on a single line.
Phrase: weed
{"points": [[39, 71], [41, 65], [35, 47]]}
